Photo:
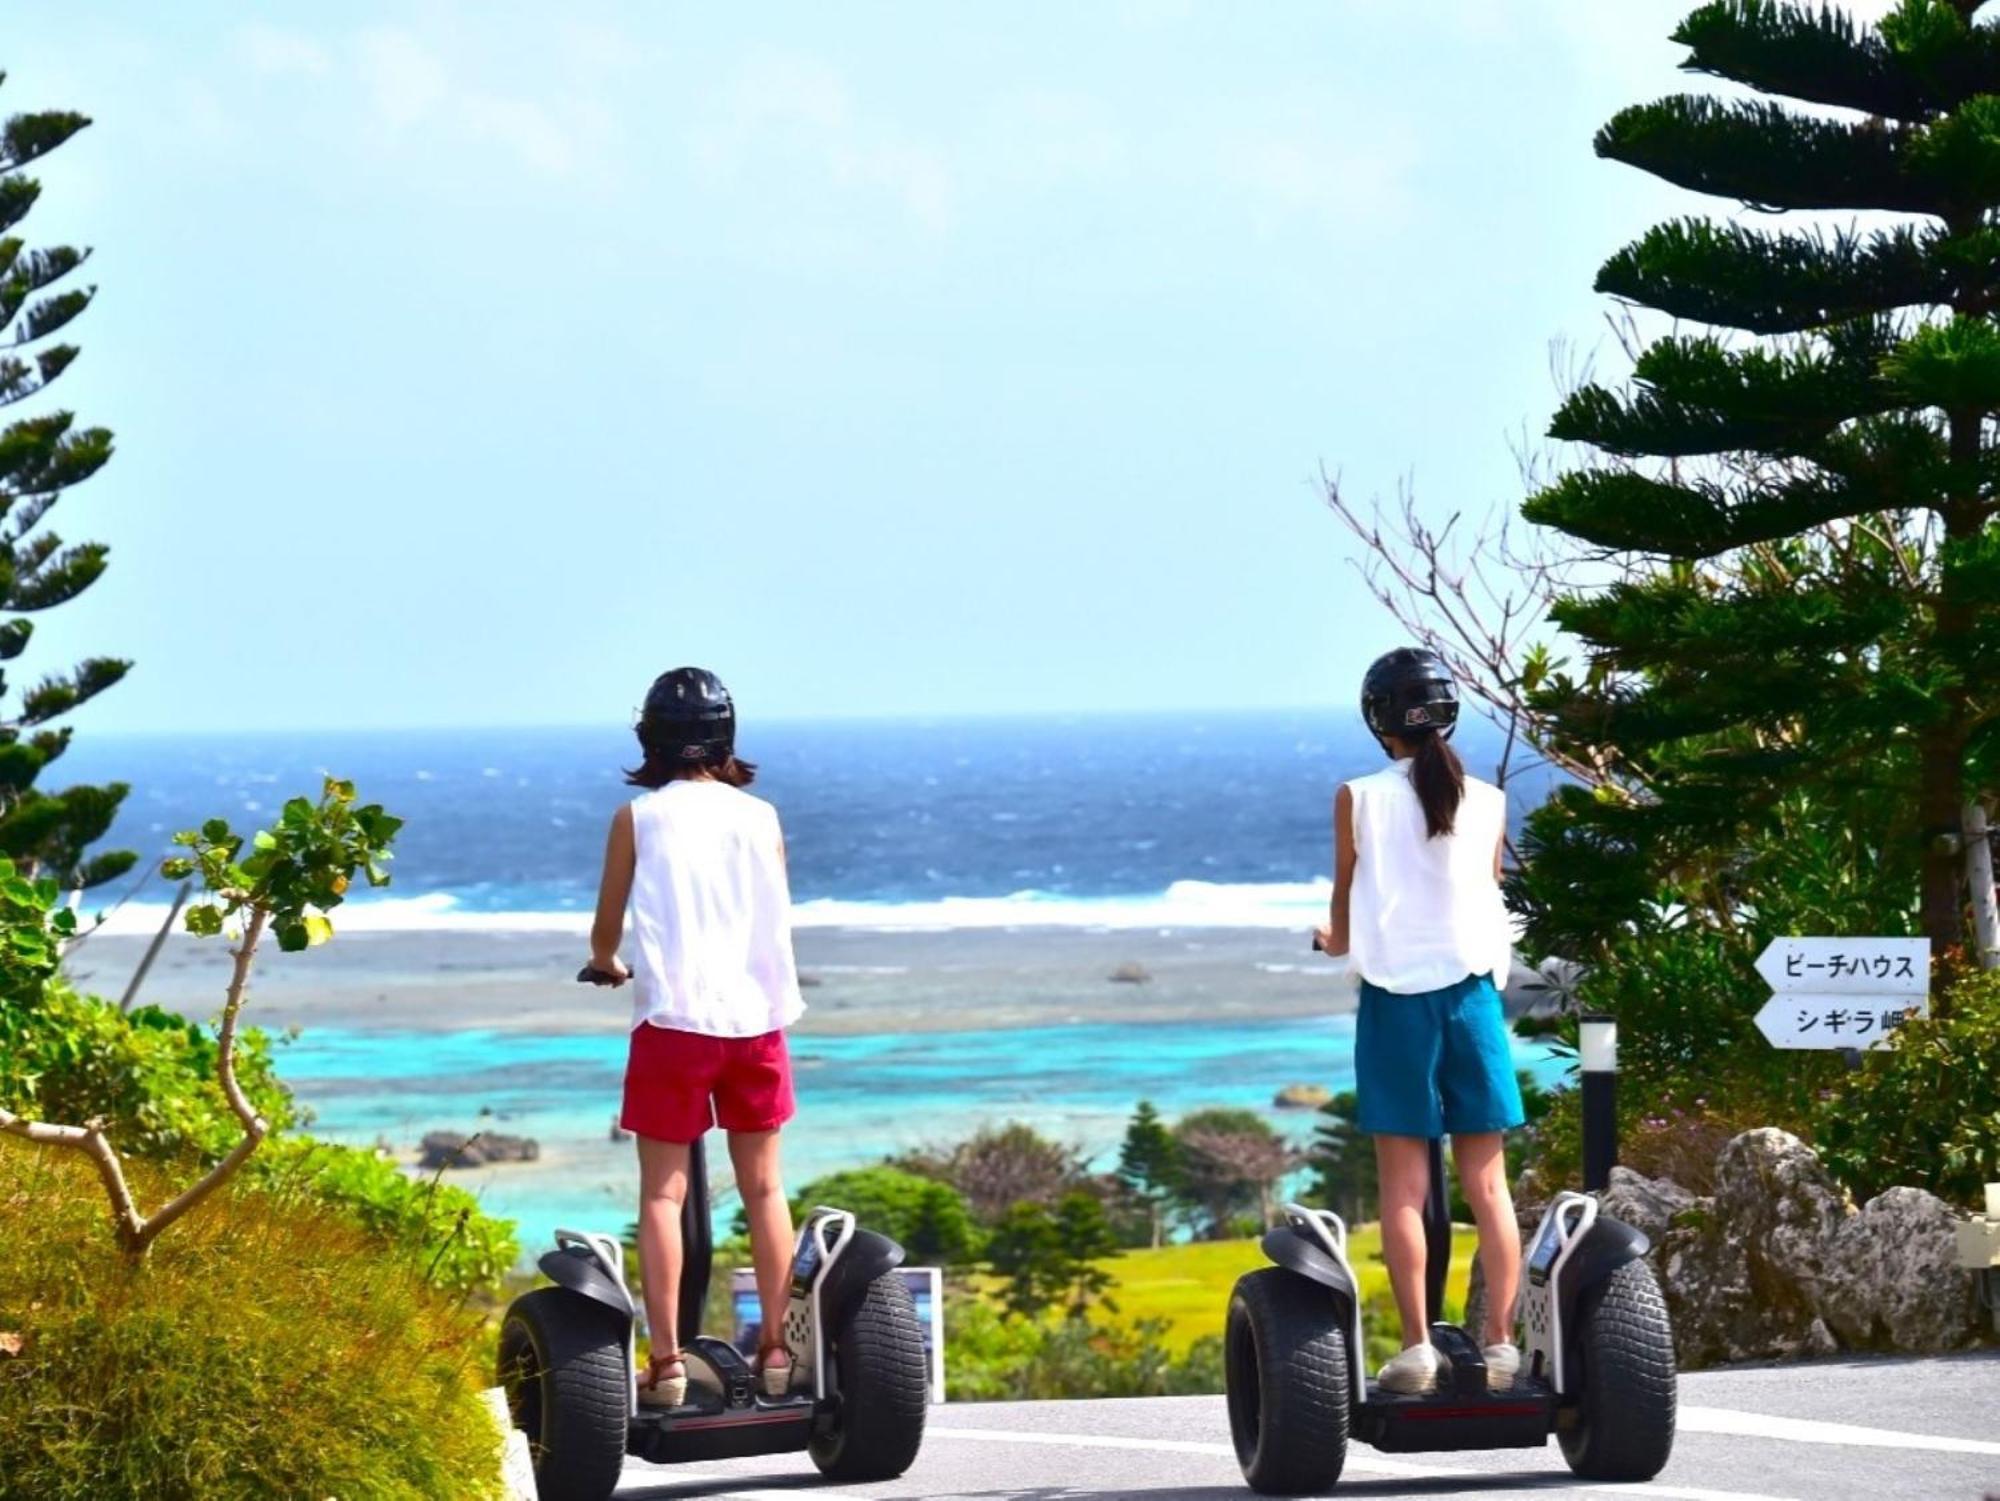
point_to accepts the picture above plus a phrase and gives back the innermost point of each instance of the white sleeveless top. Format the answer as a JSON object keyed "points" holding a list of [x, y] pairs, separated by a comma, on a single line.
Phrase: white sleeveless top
{"points": [[1424, 913], [711, 913]]}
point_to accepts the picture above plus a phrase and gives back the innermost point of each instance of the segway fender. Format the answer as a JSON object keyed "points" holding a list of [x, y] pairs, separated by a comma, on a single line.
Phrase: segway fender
{"points": [[1295, 1251], [573, 1267], [1607, 1245], [867, 1256]]}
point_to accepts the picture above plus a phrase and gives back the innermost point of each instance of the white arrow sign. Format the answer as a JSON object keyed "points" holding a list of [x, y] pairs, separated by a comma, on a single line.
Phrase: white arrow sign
{"points": [[1847, 966], [1836, 1021]]}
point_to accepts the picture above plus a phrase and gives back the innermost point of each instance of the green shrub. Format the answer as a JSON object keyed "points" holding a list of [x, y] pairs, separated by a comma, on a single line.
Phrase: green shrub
{"points": [[1925, 1110], [436, 1228], [266, 1351], [927, 1218], [148, 1074], [989, 1358]]}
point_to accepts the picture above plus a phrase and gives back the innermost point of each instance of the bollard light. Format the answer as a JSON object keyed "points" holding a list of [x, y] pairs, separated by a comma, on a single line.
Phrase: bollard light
{"points": [[1597, 1037], [1597, 1051]]}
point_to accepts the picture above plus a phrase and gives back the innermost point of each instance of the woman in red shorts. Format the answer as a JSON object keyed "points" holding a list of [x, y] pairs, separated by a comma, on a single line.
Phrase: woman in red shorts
{"points": [[701, 865]]}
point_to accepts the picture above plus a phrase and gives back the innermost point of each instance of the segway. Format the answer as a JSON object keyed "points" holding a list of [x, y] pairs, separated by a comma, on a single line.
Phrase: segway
{"points": [[1597, 1361], [860, 1384]]}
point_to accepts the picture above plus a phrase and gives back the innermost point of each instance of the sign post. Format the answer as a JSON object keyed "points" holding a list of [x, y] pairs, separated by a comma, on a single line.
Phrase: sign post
{"points": [[1839, 993]]}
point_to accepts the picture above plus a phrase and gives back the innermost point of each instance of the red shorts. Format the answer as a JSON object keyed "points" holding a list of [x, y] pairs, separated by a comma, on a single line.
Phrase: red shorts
{"points": [[678, 1084]]}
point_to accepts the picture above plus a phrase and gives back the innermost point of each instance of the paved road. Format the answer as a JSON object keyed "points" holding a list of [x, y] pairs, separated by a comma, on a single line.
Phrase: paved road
{"points": [[1882, 1430]]}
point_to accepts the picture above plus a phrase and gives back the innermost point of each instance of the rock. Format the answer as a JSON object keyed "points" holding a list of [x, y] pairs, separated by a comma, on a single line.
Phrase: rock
{"points": [[618, 1132], [1742, 1270], [1892, 1279], [810, 982], [1646, 1204], [442, 1149], [1301, 1097], [1130, 974]]}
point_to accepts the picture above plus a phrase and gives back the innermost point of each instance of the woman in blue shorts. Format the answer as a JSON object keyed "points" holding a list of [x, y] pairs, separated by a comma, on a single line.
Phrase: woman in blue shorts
{"points": [[1416, 903]]}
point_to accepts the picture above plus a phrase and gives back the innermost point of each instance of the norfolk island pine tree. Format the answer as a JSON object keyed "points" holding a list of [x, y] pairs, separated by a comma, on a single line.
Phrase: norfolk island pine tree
{"points": [[1149, 1165], [40, 458], [1804, 499]]}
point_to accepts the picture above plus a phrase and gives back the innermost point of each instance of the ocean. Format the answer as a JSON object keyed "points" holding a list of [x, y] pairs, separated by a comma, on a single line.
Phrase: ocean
{"points": [[1132, 820], [994, 829]]}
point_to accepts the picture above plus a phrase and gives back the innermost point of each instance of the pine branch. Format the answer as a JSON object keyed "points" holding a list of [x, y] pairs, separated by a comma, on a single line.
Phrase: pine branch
{"points": [[28, 275], [17, 196], [1695, 396], [1765, 156], [1916, 66], [27, 137], [64, 577], [1738, 277]]}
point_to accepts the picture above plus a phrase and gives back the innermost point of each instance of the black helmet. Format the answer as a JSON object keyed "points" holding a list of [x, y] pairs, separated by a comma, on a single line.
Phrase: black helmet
{"points": [[1409, 689], [688, 715]]}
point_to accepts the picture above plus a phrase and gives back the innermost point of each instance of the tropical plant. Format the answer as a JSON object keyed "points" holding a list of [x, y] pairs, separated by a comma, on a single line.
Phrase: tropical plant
{"points": [[1231, 1165], [998, 1167], [1149, 1166], [294, 873], [991, 1357], [41, 457], [1803, 501], [1923, 1110], [926, 1217], [1053, 1256]]}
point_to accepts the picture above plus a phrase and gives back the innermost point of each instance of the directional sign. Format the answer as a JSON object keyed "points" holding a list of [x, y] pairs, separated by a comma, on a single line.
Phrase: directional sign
{"points": [[1842, 992], [1837, 1021], [1848, 966]]}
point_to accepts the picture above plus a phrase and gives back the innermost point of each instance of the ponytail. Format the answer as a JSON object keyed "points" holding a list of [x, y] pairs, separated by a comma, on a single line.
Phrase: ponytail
{"points": [[1439, 778]]}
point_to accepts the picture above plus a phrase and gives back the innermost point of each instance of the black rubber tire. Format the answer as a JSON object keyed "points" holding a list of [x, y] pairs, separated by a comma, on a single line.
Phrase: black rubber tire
{"points": [[1626, 1383], [884, 1388], [1285, 1365], [562, 1361]]}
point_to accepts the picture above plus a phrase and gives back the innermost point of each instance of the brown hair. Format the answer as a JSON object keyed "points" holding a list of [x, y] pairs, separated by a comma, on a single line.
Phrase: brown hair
{"points": [[662, 767], [1439, 778]]}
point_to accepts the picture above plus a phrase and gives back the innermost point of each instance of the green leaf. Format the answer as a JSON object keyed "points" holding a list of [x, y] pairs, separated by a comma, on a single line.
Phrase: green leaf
{"points": [[318, 929], [204, 920], [177, 870], [215, 830], [292, 937]]}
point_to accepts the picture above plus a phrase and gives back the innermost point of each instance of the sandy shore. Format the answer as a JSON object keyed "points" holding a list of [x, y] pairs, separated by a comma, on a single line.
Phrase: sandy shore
{"points": [[857, 981]]}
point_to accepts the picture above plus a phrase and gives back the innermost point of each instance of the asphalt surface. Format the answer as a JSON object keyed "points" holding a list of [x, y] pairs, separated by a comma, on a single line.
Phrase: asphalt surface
{"points": [[1880, 1429]]}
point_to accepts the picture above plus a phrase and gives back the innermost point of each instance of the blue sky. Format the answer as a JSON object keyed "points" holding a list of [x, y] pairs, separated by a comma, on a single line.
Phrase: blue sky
{"points": [[472, 363]]}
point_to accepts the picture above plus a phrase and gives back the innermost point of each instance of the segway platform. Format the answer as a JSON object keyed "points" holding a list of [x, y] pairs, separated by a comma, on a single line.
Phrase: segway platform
{"points": [[1597, 1365], [725, 1416], [860, 1383]]}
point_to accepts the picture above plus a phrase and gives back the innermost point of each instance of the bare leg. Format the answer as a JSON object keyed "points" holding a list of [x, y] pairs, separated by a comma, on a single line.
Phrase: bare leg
{"points": [[1403, 1165], [1482, 1178], [754, 1155], [663, 1186]]}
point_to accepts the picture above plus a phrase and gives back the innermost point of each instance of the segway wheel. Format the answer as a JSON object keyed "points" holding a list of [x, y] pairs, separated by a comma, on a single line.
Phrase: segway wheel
{"points": [[1625, 1422], [876, 1424], [562, 1361], [1285, 1365]]}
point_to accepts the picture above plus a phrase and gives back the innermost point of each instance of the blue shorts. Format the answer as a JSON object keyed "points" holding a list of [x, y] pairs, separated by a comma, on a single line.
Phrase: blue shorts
{"points": [[1435, 1064]]}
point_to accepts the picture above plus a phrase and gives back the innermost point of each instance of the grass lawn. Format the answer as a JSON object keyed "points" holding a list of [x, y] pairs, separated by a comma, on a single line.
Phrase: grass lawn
{"points": [[1188, 1285]]}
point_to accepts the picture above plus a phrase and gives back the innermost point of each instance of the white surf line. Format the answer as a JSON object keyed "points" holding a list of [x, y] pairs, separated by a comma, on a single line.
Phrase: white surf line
{"points": [[1388, 1469], [1729, 1420]]}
